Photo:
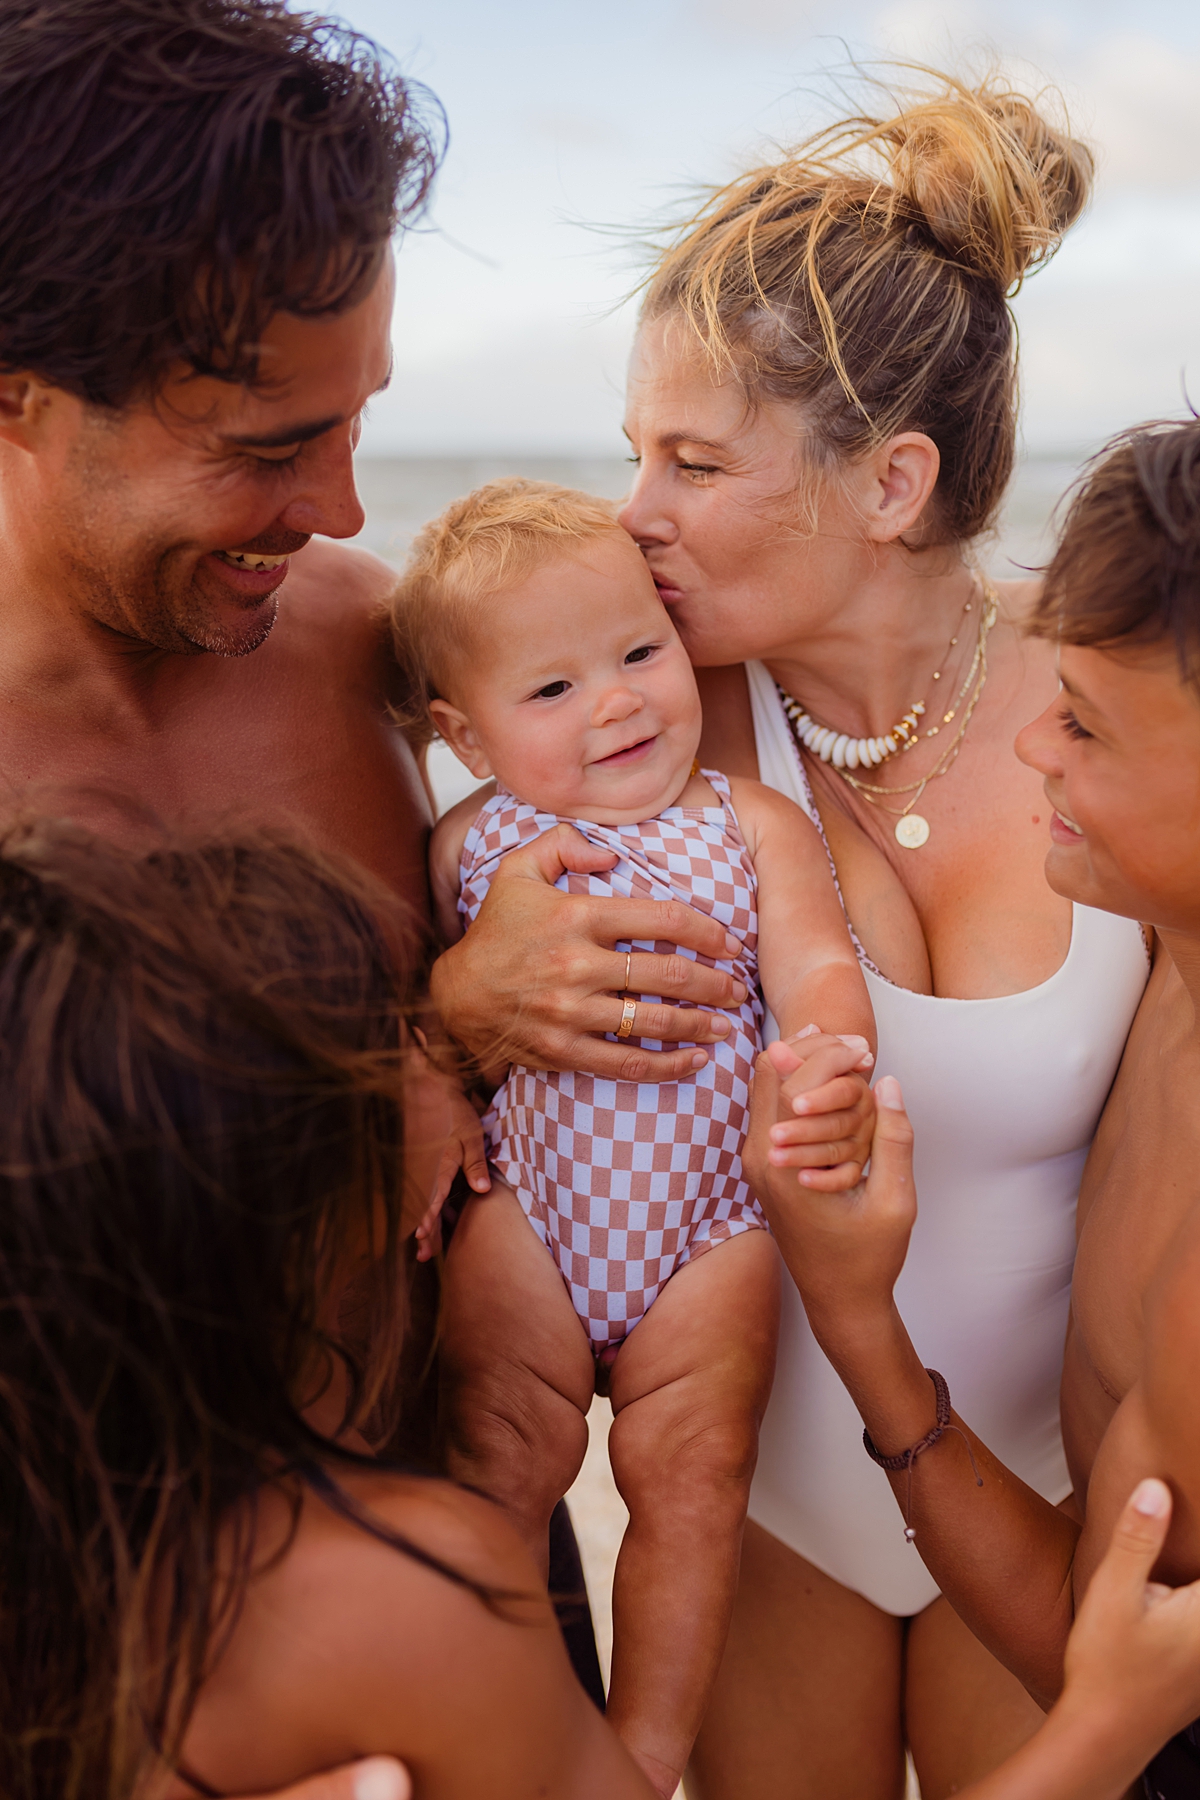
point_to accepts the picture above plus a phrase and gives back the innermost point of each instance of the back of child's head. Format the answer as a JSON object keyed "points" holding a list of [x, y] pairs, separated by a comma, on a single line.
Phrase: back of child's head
{"points": [[200, 1128], [1127, 567], [449, 599]]}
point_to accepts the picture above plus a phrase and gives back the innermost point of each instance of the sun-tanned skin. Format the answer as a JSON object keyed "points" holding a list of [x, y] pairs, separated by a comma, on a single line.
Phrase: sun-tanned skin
{"points": [[478, 1700], [147, 683], [1120, 753], [112, 596]]}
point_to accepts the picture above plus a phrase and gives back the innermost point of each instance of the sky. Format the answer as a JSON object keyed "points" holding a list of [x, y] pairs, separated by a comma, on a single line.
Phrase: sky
{"points": [[575, 126]]}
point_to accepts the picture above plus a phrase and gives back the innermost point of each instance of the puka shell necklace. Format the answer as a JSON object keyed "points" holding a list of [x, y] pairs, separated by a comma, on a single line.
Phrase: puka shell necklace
{"points": [[846, 752]]}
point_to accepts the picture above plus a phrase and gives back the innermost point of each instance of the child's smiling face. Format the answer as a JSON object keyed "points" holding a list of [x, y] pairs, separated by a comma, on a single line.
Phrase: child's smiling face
{"points": [[580, 699]]}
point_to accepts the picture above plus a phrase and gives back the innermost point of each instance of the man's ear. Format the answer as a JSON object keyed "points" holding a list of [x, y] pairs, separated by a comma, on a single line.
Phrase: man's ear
{"points": [[23, 402], [898, 481], [459, 733]]}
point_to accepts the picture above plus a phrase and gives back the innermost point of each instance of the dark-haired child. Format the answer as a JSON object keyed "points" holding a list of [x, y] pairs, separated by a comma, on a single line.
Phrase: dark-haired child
{"points": [[209, 1584]]}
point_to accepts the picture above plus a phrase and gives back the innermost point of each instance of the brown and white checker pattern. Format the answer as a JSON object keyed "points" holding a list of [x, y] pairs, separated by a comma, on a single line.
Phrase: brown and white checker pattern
{"points": [[624, 1182]]}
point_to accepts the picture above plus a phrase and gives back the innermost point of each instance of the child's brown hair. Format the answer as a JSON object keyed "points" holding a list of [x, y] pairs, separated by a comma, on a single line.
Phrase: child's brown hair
{"points": [[1127, 567]]}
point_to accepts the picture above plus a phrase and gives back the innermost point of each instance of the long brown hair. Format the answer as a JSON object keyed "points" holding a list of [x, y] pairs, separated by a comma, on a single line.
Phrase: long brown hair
{"points": [[865, 277], [200, 1120]]}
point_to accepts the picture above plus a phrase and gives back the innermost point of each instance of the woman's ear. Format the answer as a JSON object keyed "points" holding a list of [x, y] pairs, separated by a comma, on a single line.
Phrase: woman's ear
{"points": [[459, 733], [899, 479]]}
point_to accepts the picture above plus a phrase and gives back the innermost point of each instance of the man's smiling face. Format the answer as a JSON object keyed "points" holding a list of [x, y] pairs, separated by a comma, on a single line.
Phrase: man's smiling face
{"points": [[1120, 751], [171, 521]]}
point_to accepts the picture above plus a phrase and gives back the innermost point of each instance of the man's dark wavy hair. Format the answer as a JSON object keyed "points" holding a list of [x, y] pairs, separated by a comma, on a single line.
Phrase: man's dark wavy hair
{"points": [[175, 172]]}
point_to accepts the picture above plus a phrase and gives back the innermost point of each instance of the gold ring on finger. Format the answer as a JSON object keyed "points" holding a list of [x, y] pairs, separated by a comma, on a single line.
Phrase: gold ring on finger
{"points": [[628, 1015], [628, 966]]}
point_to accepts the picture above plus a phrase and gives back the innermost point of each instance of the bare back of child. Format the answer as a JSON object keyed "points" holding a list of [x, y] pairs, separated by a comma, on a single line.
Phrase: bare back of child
{"points": [[551, 666]]}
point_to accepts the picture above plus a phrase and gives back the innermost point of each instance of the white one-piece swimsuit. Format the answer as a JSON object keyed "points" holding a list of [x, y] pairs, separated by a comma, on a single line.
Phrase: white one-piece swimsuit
{"points": [[1004, 1095]]}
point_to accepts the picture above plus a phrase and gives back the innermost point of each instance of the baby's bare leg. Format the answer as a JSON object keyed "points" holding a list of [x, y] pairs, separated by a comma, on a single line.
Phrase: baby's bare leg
{"points": [[517, 1369], [689, 1388]]}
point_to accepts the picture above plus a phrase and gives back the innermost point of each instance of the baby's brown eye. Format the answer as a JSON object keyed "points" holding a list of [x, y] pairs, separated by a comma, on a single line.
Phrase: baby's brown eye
{"points": [[551, 691], [640, 655]]}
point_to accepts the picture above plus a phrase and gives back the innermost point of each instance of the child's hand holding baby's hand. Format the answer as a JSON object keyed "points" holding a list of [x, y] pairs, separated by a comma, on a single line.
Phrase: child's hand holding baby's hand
{"points": [[826, 1111]]}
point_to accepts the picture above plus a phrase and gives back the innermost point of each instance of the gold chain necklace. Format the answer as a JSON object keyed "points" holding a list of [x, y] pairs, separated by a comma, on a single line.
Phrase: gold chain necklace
{"points": [[846, 752], [912, 830]]}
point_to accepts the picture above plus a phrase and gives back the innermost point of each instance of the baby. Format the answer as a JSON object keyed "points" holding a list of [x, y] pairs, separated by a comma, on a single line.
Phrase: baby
{"points": [[548, 663]]}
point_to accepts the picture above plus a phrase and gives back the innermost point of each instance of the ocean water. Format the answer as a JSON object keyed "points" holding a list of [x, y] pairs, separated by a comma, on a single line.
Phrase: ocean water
{"points": [[400, 493]]}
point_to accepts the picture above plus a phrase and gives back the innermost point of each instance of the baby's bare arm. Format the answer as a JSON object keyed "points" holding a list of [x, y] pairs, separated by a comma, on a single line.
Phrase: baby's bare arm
{"points": [[811, 978], [807, 963]]}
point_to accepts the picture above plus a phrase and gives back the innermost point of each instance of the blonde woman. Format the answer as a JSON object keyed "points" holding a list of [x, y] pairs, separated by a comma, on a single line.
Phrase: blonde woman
{"points": [[823, 406]]}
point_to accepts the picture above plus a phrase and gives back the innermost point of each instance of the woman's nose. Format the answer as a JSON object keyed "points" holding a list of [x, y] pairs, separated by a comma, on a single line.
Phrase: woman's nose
{"points": [[642, 515]]}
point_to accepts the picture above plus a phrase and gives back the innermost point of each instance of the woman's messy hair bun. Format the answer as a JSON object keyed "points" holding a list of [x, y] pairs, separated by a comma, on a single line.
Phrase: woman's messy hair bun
{"points": [[865, 275], [995, 184]]}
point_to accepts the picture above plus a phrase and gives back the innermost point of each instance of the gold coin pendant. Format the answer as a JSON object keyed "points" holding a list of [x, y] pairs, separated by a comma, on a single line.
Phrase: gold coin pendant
{"points": [[912, 831]]}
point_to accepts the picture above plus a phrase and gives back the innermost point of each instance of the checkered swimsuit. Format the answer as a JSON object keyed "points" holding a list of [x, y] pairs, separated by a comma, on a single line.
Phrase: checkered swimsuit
{"points": [[626, 1181]]}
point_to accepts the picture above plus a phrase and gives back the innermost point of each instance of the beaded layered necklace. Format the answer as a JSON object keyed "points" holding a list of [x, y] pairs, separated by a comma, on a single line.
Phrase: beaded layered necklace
{"points": [[845, 753]]}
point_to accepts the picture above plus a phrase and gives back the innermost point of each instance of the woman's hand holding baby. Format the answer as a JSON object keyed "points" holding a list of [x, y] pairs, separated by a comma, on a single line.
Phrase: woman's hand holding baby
{"points": [[537, 973]]}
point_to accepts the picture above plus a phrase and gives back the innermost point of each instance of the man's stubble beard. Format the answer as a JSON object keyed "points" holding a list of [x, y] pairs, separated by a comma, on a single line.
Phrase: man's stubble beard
{"points": [[209, 639], [141, 608], [137, 603]]}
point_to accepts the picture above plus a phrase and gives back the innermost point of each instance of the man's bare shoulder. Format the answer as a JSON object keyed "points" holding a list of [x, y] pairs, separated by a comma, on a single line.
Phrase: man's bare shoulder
{"points": [[328, 578]]}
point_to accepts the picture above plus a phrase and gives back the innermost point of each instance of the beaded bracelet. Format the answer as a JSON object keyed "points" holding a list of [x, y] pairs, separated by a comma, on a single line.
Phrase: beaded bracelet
{"points": [[906, 1458]]}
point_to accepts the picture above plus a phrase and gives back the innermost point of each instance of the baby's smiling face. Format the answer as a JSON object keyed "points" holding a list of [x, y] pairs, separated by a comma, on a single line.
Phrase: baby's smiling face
{"points": [[577, 694]]}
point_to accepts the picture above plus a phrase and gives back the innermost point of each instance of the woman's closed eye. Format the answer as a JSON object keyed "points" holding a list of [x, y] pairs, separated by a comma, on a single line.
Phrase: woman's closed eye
{"points": [[1071, 725]]}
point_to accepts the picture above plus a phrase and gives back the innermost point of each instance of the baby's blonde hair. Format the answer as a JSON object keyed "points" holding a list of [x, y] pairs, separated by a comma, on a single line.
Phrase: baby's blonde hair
{"points": [[465, 558]]}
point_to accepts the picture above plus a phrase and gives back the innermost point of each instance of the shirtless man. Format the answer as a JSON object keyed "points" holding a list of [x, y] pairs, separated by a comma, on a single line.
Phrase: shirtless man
{"points": [[174, 629], [196, 209], [1120, 753]]}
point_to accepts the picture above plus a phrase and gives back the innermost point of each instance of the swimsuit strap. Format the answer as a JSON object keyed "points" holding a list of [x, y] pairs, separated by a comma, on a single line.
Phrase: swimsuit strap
{"points": [[720, 786], [814, 814]]}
